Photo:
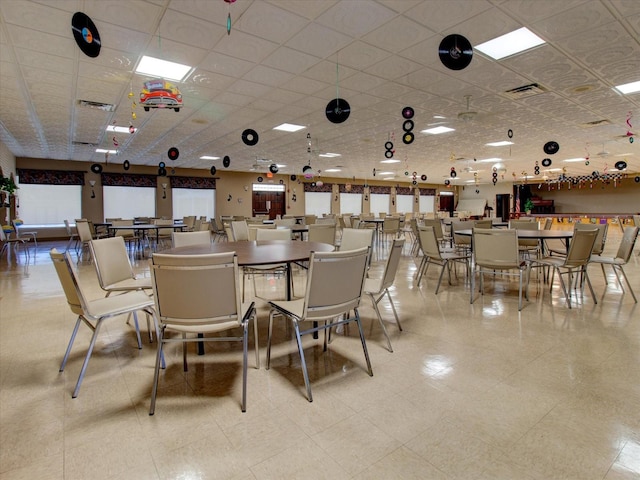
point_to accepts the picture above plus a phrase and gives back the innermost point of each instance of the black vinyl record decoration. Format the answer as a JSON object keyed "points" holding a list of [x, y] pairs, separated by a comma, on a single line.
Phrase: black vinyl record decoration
{"points": [[173, 153], [96, 168], [546, 162], [213, 170], [455, 52], [621, 165], [250, 137], [162, 172], [86, 34], [338, 110], [551, 147], [273, 168], [162, 165], [226, 161], [126, 165], [407, 126]]}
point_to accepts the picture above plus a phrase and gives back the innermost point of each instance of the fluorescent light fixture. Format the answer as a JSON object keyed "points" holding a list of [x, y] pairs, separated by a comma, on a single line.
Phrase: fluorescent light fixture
{"points": [[571, 160], [503, 143], [509, 44], [438, 130], [113, 128], [385, 173], [163, 69], [627, 88], [104, 150], [207, 157], [446, 194], [279, 165], [332, 170], [392, 160], [554, 170], [439, 117], [329, 155], [289, 127], [490, 160]]}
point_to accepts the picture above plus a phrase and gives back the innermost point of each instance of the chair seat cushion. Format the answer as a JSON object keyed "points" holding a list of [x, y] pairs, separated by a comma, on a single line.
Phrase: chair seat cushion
{"points": [[119, 303]]}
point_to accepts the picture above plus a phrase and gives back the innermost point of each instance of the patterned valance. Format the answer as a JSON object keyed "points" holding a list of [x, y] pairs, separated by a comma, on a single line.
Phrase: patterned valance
{"points": [[202, 183], [428, 191], [50, 177], [352, 188], [404, 190], [127, 180], [378, 189], [313, 187]]}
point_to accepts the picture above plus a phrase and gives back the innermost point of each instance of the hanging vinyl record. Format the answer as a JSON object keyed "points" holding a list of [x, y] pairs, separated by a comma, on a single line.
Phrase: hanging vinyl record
{"points": [[162, 172], [338, 110], [293, 178], [226, 161], [551, 147], [86, 34], [250, 137], [162, 165], [455, 52], [213, 170], [96, 168], [173, 153], [546, 162], [273, 168], [408, 138], [126, 165], [407, 112], [407, 126], [621, 165]]}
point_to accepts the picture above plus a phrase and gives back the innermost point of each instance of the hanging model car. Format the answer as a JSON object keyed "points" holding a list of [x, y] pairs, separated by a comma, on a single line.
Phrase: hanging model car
{"points": [[160, 94]]}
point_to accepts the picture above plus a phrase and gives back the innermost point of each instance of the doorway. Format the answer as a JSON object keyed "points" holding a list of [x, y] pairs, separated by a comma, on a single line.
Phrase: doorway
{"points": [[268, 203], [446, 204], [502, 206]]}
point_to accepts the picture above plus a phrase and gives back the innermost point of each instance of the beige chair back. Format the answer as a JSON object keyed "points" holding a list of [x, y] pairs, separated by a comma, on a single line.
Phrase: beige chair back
{"points": [[326, 221], [601, 238], [310, 219], [436, 223], [111, 261], [581, 247], [84, 231], [548, 223], [196, 289], [429, 242], [334, 283], [636, 220], [323, 233], [486, 223], [164, 232], [353, 238], [67, 226], [253, 229], [390, 225], [273, 234], [188, 222], [68, 280], [525, 225], [391, 266], [240, 230], [123, 233], [285, 222], [184, 239], [626, 245], [496, 249], [456, 225]]}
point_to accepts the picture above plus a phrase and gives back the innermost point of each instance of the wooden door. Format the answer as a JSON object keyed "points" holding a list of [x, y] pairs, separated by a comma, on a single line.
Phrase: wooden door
{"points": [[268, 203]]}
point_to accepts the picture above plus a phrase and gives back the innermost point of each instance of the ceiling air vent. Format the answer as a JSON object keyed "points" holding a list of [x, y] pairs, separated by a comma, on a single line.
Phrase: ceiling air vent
{"points": [[595, 123], [105, 107], [525, 91]]}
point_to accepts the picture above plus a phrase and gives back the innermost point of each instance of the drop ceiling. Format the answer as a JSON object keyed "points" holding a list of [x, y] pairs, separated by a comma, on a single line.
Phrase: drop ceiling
{"points": [[284, 60]]}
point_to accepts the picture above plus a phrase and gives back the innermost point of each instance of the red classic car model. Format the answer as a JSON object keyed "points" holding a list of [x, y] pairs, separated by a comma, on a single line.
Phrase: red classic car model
{"points": [[160, 94]]}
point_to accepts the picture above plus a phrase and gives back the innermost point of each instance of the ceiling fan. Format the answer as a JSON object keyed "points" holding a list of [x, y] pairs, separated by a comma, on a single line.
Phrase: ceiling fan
{"points": [[468, 115]]}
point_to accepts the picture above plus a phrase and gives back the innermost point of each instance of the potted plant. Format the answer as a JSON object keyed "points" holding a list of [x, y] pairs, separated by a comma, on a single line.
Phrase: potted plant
{"points": [[7, 184], [528, 206]]}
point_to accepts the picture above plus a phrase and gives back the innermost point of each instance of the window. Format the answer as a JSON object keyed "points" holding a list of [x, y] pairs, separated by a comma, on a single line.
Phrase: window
{"points": [[427, 203], [379, 203], [49, 204], [317, 203], [404, 203], [193, 201], [129, 202], [351, 202]]}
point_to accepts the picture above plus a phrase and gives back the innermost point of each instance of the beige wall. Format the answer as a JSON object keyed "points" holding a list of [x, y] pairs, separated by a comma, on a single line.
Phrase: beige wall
{"points": [[8, 168]]}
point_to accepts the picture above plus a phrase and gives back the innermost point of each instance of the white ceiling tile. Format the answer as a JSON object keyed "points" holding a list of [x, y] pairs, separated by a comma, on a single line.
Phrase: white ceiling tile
{"points": [[270, 22], [245, 47], [290, 60], [319, 41], [441, 16], [355, 17]]}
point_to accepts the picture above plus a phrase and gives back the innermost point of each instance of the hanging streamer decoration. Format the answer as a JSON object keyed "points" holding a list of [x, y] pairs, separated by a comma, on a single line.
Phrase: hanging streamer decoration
{"points": [[630, 134], [229, 2]]}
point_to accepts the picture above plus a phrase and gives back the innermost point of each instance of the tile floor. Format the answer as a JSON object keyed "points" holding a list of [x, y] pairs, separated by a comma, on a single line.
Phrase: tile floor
{"points": [[471, 392]]}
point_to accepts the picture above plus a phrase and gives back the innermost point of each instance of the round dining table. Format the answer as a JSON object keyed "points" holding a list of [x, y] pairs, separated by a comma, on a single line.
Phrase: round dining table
{"points": [[565, 235], [263, 252]]}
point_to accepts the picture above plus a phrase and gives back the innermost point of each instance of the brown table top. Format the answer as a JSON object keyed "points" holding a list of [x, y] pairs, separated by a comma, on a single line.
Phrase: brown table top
{"points": [[258, 253]]}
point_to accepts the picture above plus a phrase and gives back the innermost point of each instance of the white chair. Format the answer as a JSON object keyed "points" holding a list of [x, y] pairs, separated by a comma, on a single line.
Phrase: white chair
{"points": [[25, 235], [15, 243], [240, 230], [576, 261], [73, 236], [377, 288], [262, 234], [163, 234], [84, 236], [334, 289], [622, 257], [93, 313], [496, 249], [186, 239], [115, 274], [199, 294], [432, 254]]}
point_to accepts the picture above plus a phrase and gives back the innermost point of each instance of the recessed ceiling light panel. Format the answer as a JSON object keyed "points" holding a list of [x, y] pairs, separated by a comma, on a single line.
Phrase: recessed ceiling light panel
{"points": [[627, 88], [509, 44], [438, 130], [156, 67], [289, 127]]}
